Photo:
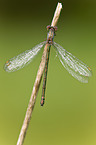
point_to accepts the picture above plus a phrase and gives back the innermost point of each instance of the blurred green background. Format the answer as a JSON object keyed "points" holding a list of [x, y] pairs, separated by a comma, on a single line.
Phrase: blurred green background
{"points": [[69, 114]]}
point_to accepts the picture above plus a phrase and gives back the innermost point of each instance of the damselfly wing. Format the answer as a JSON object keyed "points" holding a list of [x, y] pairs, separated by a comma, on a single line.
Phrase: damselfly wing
{"points": [[22, 59], [74, 66]]}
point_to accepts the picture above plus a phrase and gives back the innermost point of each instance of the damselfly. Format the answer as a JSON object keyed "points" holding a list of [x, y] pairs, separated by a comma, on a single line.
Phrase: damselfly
{"points": [[74, 66]]}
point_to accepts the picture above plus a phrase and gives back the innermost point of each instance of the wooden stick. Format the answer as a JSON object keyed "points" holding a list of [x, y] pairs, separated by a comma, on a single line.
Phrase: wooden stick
{"points": [[37, 83], [56, 14]]}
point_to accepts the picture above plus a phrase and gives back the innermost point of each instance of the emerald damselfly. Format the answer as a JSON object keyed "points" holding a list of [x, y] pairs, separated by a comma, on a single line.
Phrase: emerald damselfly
{"points": [[74, 66]]}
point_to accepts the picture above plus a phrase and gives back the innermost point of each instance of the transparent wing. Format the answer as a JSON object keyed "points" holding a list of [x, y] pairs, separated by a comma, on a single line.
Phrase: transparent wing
{"points": [[22, 59], [74, 66]]}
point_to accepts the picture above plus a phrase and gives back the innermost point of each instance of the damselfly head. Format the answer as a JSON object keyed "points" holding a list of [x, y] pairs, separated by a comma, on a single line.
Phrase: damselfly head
{"points": [[53, 28]]}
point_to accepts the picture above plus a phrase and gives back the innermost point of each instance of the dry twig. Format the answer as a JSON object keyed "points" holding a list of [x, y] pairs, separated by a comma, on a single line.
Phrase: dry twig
{"points": [[37, 83]]}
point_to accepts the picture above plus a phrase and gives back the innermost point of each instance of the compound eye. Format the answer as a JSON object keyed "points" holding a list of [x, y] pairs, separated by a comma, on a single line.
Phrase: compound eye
{"points": [[55, 28], [48, 27]]}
